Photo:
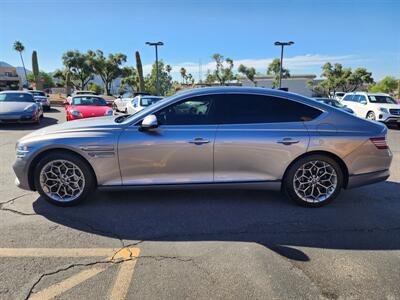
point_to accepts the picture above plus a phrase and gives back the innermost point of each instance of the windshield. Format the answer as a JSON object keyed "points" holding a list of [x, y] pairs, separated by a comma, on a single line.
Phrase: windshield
{"points": [[36, 93], [89, 101], [382, 99], [149, 101], [16, 97]]}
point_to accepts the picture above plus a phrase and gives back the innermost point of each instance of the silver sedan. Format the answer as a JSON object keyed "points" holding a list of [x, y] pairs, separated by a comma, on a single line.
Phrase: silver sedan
{"points": [[225, 137]]}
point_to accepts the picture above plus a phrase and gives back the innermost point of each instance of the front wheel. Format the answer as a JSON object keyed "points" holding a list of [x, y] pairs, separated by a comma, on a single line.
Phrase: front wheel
{"points": [[313, 181], [63, 179], [371, 115]]}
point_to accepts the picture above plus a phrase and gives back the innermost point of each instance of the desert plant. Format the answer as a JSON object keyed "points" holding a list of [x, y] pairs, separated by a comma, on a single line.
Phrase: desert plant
{"points": [[35, 71], [139, 69]]}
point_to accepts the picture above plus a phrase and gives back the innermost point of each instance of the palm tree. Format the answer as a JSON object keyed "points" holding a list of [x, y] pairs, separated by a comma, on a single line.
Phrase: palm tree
{"points": [[20, 48], [183, 74]]}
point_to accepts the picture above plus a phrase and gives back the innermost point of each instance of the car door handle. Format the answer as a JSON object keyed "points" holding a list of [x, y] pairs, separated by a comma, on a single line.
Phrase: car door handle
{"points": [[287, 141], [199, 141]]}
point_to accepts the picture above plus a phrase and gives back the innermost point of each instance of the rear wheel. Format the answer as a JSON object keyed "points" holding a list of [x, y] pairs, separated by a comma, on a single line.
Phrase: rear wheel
{"points": [[314, 180], [63, 178]]}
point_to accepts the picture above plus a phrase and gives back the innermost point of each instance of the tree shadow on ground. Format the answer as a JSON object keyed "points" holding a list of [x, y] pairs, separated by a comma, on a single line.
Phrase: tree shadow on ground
{"points": [[366, 218]]}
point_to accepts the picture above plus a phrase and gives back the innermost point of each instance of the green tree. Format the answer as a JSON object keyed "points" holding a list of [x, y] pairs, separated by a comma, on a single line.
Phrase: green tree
{"points": [[64, 77], [165, 79], [388, 85], [250, 73], [20, 48], [108, 68], [182, 71], [337, 78], [274, 69], [222, 73], [130, 78], [45, 79], [95, 88], [79, 67]]}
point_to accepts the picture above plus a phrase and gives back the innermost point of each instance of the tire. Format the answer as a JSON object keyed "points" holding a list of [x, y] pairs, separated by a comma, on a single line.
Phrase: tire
{"points": [[371, 115], [296, 180], [79, 176]]}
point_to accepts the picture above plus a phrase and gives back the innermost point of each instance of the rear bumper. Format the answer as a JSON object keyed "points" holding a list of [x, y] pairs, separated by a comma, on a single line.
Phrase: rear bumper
{"points": [[367, 178]]}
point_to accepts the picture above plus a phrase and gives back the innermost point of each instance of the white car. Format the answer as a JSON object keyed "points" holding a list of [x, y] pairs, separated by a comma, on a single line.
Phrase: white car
{"points": [[121, 102], [140, 102], [76, 93], [373, 106], [337, 95]]}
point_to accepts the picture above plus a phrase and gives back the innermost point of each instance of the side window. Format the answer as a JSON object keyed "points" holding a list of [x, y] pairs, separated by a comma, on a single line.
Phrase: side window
{"points": [[248, 109], [361, 98], [135, 103], [348, 98], [193, 111]]}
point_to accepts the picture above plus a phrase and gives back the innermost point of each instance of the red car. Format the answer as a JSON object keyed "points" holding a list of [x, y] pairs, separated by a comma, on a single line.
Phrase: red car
{"points": [[87, 106]]}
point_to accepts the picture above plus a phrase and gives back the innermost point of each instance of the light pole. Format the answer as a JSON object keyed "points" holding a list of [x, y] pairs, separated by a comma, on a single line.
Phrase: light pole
{"points": [[282, 44], [156, 44]]}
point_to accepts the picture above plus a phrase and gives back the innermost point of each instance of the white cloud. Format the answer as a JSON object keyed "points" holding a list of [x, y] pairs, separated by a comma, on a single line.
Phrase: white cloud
{"points": [[299, 64]]}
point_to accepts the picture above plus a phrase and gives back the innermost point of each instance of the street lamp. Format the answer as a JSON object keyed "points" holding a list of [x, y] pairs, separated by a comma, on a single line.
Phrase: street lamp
{"points": [[282, 44], [156, 44]]}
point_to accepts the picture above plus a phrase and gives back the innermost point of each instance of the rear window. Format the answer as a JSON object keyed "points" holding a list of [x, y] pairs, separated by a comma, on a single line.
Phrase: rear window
{"points": [[16, 97], [149, 101], [382, 99], [36, 93], [248, 109]]}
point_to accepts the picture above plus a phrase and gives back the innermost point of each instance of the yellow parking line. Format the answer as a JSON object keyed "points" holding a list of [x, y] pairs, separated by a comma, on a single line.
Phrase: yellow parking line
{"points": [[57, 252], [65, 285], [123, 280]]}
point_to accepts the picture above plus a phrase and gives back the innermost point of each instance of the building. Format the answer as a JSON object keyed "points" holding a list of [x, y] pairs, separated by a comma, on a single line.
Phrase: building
{"points": [[9, 79], [296, 83]]}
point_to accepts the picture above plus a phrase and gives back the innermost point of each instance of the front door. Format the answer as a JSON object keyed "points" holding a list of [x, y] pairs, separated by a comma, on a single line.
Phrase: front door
{"points": [[179, 151]]}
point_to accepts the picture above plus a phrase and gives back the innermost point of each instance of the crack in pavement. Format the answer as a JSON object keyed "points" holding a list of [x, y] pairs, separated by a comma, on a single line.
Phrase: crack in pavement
{"points": [[112, 260]]}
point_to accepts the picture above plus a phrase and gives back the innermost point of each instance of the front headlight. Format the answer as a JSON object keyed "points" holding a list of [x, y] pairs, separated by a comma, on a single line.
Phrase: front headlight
{"points": [[22, 151], [384, 110], [31, 108], [76, 113], [108, 113]]}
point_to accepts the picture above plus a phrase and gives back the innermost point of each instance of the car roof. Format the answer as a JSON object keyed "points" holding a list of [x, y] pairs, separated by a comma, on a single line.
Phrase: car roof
{"points": [[366, 93], [87, 95], [15, 92]]}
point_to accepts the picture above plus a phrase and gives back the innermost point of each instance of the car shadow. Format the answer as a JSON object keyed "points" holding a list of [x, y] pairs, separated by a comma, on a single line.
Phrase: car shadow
{"points": [[44, 122], [366, 218]]}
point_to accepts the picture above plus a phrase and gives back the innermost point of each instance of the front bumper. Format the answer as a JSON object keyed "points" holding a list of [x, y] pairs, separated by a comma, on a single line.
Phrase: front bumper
{"points": [[388, 118], [19, 118], [367, 178], [20, 168]]}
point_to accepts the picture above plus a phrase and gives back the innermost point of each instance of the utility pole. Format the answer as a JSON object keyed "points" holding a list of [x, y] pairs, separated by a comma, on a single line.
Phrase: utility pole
{"points": [[156, 44], [282, 44]]}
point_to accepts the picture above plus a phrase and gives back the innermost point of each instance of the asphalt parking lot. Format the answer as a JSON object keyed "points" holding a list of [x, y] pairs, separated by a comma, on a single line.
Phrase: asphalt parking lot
{"points": [[197, 244]]}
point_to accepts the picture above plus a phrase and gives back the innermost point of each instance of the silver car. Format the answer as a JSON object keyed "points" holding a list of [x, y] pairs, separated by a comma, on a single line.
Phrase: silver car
{"points": [[19, 107], [227, 137], [41, 97]]}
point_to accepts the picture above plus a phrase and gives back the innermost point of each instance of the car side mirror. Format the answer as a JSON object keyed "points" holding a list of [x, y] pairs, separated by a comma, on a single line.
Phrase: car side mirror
{"points": [[66, 103], [363, 102], [149, 122]]}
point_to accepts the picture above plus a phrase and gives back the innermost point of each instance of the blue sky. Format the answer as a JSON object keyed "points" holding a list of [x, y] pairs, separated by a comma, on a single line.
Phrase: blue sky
{"points": [[354, 33]]}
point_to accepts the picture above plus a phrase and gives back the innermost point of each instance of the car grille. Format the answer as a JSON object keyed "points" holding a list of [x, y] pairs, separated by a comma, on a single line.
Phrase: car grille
{"points": [[395, 112]]}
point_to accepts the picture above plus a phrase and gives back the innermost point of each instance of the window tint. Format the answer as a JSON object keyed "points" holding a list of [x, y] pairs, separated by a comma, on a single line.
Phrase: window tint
{"points": [[92, 101], [245, 109], [361, 98], [135, 103], [193, 111]]}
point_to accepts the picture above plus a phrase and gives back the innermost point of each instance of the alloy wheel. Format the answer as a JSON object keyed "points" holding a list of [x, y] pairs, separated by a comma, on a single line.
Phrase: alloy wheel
{"points": [[62, 180], [315, 181]]}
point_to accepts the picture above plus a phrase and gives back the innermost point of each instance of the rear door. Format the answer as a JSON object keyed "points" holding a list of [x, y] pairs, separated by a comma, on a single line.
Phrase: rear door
{"points": [[258, 136]]}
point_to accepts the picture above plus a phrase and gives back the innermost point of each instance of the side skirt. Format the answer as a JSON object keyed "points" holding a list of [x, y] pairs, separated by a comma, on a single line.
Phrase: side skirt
{"points": [[256, 185]]}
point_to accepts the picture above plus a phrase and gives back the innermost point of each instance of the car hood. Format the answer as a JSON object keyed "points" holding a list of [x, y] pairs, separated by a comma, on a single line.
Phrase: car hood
{"points": [[9, 107], [90, 110], [78, 127]]}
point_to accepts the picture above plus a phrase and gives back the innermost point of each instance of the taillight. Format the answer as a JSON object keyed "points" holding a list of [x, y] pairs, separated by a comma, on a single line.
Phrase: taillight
{"points": [[380, 142]]}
